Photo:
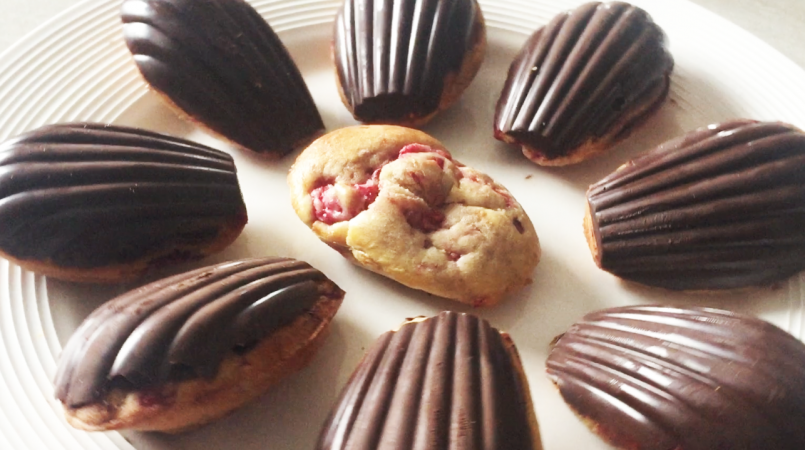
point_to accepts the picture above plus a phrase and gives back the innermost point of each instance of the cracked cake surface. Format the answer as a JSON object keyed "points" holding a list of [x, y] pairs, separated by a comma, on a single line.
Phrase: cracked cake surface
{"points": [[394, 201]]}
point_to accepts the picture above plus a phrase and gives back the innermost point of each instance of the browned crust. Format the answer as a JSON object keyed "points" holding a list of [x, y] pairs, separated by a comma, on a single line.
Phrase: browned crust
{"points": [[136, 269], [595, 146], [518, 368], [610, 436], [587, 150], [589, 234], [454, 84], [179, 406], [182, 114], [595, 251]]}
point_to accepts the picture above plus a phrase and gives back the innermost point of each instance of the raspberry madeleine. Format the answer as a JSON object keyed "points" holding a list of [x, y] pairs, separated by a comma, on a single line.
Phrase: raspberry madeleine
{"points": [[403, 61], [222, 66], [394, 201], [666, 378], [583, 82], [445, 382], [190, 348], [99, 203], [722, 207]]}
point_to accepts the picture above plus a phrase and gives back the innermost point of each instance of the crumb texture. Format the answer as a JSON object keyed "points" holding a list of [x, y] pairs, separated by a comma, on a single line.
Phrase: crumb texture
{"points": [[397, 203]]}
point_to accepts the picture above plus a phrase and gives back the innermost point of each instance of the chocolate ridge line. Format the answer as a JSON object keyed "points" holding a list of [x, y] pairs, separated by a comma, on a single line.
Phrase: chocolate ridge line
{"points": [[568, 84], [176, 285], [629, 352], [226, 53], [60, 183], [87, 133], [443, 382], [721, 207], [392, 61], [183, 327]]}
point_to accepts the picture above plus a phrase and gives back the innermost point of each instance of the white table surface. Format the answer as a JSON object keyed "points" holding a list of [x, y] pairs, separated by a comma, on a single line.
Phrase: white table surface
{"points": [[781, 23]]}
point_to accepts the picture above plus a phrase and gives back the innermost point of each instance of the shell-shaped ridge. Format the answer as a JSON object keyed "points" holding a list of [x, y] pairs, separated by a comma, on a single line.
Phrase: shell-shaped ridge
{"points": [[184, 326], [445, 382], [589, 75], [88, 195], [223, 65], [721, 207], [663, 377], [394, 56]]}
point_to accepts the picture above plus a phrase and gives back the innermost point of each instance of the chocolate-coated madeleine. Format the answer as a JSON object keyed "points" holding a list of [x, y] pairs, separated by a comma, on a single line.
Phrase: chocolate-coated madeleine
{"points": [[222, 65], [447, 382], [98, 203], [666, 378], [583, 82], [402, 61], [722, 207], [190, 348]]}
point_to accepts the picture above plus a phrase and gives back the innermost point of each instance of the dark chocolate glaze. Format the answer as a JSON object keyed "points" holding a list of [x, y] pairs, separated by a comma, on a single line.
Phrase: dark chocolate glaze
{"points": [[591, 73], [183, 326], [88, 195], [664, 378], [722, 207], [393, 56], [222, 64], [445, 383]]}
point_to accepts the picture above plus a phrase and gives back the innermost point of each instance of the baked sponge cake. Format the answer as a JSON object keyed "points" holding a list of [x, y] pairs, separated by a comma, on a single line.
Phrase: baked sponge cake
{"points": [[98, 203], [190, 348], [393, 200], [583, 82], [446, 382], [223, 67], [404, 61], [663, 377], [722, 207]]}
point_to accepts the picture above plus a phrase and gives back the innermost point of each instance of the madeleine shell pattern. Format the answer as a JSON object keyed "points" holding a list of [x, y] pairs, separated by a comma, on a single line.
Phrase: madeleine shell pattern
{"points": [[445, 382], [88, 195], [223, 65], [719, 208], [183, 326], [395, 58], [589, 76], [665, 378]]}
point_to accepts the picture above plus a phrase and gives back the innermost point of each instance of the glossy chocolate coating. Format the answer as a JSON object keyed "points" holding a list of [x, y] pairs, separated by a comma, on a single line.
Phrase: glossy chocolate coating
{"points": [[183, 326], [664, 378], [222, 64], [445, 383], [590, 75], [393, 56], [721, 207], [89, 195]]}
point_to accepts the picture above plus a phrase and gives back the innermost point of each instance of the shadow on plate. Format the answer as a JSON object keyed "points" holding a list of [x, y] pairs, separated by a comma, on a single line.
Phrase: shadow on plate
{"points": [[290, 415]]}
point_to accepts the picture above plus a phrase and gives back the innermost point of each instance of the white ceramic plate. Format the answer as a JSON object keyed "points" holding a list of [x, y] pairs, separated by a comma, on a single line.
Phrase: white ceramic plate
{"points": [[76, 68]]}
